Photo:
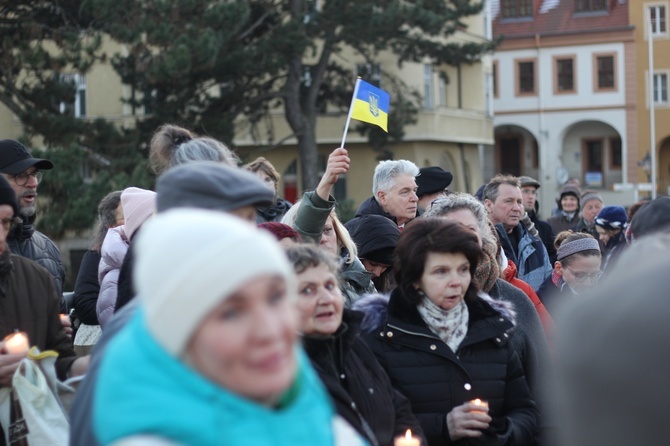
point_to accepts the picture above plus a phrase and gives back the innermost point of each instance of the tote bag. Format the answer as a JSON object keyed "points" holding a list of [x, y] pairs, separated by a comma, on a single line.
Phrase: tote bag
{"points": [[30, 412]]}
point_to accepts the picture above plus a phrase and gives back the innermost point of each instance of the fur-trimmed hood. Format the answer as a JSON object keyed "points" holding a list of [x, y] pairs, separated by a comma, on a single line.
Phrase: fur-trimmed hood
{"points": [[375, 309]]}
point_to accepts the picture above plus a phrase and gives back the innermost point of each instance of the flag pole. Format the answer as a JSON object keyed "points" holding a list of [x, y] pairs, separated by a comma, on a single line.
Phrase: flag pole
{"points": [[351, 106]]}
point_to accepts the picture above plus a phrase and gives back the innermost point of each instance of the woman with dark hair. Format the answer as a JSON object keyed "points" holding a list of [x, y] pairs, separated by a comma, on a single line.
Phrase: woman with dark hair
{"points": [[359, 387], [576, 270], [446, 346], [87, 287]]}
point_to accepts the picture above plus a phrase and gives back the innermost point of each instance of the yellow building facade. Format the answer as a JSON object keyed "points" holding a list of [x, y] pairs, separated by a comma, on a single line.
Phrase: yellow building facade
{"points": [[651, 18]]}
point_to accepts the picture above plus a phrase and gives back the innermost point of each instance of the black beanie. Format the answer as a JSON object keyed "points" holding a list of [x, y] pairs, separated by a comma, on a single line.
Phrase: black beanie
{"points": [[7, 195]]}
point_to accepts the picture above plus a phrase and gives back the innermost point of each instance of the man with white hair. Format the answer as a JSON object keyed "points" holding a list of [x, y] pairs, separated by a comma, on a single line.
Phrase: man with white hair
{"points": [[393, 192]]}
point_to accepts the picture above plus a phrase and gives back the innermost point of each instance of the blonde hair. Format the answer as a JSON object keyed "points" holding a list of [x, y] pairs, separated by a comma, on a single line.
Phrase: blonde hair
{"points": [[343, 237]]}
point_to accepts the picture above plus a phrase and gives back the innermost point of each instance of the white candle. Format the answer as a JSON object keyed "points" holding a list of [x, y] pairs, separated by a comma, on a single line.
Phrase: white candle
{"points": [[17, 343], [407, 440], [482, 404]]}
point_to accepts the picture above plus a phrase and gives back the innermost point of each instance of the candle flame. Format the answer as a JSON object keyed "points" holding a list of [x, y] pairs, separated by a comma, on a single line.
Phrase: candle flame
{"points": [[478, 402], [408, 434]]}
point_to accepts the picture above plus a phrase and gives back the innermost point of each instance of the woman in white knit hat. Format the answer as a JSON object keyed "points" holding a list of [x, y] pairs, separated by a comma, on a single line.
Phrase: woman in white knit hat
{"points": [[212, 357]]}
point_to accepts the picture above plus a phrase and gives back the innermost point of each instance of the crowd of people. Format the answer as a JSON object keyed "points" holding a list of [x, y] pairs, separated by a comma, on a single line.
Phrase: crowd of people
{"points": [[212, 311]]}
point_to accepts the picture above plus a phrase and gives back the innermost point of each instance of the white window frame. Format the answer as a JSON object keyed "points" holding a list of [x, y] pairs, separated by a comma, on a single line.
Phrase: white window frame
{"points": [[79, 81], [661, 90], [658, 22]]}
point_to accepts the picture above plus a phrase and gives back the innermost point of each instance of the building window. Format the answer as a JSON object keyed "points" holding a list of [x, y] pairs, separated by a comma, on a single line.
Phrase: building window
{"points": [[565, 75], [593, 162], [428, 92], [442, 86], [525, 77], [604, 68], [657, 14], [590, 5], [514, 9], [661, 88], [495, 78], [370, 73], [616, 158], [76, 107]]}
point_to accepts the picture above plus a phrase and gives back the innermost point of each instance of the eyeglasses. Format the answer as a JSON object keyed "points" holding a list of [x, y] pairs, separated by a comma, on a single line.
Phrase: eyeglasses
{"points": [[581, 277], [22, 178]]}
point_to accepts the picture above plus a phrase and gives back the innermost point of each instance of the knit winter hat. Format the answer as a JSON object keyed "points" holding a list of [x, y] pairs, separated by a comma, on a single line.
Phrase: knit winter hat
{"points": [[612, 217], [7, 195], [432, 179], [590, 195], [190, 260], [281, 231], [138, 205], [211, 185]]}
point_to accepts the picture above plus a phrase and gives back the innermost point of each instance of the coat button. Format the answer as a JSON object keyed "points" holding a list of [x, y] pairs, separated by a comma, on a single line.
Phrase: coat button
{"points": [[371, 390], [433, 347], [506, 335], [342, 376], [381, 334], [502, 319], [389, 334], [353, 405], [467, 386], [498, 340]]}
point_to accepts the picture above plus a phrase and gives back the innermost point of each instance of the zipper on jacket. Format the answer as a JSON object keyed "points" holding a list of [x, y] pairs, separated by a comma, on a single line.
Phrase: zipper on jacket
{"points": [[413, 333]]}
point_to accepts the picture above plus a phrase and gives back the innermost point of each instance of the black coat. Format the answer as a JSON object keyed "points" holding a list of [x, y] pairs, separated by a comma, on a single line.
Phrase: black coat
{"points": [[87, 288], [359, 386], [436, 380]]}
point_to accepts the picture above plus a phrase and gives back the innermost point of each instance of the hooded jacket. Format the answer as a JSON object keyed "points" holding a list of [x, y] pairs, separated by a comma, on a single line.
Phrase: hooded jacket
{"points": [[113, 252], [24, 240], [435, 379], [358, 385], [529, 255], [373, 233]]}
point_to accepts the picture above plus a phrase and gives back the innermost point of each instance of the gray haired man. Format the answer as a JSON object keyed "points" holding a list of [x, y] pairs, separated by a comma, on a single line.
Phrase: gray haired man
{"points": [[393, 192]]}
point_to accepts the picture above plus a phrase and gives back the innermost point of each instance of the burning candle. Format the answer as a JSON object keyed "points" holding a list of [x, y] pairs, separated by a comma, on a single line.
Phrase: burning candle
{"points": [[482, 404], [64, 319], [407, 440], [17, 343]]}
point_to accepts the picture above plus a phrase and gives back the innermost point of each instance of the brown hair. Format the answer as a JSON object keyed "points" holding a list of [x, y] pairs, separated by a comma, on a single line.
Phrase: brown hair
{"points": [[491, 189], [432, 235], [164, 143], [266, 167]]}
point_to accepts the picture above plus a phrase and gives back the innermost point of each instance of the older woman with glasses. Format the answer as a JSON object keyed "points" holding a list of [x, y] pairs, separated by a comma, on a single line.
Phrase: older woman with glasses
{"points": [[577, 269]]}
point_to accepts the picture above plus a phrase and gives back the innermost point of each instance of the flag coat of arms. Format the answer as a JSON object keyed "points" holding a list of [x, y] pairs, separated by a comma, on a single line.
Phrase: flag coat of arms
{"points": [[370, 104]]}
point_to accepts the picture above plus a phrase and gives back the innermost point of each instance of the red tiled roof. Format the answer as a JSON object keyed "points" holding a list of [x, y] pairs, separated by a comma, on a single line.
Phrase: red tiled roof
{"points": [[552, 17]]}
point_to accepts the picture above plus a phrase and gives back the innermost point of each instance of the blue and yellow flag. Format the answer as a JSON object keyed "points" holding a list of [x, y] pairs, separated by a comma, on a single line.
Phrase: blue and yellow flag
{"points": [[370, 104]]}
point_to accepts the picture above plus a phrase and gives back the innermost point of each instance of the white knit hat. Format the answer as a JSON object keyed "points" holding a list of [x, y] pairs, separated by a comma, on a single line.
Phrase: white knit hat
{"points": [[138, 205], [190, 260]]}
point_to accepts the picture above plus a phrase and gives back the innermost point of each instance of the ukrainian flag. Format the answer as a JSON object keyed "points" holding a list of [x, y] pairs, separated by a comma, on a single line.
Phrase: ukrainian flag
{"points": [[370, 104]]}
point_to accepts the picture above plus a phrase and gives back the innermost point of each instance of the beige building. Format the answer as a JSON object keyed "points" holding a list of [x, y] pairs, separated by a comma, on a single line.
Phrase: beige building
{"points": [[454, 127], [641, 13]]}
